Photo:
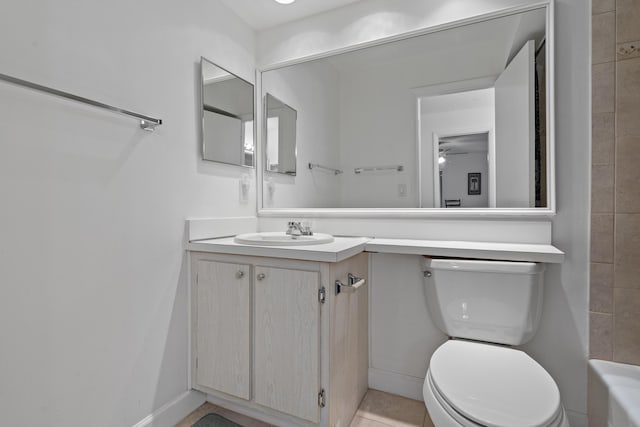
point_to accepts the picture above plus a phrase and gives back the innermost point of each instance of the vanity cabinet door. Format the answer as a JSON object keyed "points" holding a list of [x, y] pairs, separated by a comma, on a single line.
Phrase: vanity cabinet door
{"points": [[287, 341], [223, 327]]}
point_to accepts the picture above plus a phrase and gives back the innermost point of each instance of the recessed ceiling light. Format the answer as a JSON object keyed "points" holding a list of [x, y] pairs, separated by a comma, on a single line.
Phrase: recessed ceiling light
{"points": [[284, 1]]}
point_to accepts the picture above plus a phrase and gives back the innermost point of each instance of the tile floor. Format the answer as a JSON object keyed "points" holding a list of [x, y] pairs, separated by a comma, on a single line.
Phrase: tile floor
{"points": [[378, 409]]}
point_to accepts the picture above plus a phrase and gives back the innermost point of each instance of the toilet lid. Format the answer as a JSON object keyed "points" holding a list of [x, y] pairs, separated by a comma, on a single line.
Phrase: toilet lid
{"points": [[493, 385]]}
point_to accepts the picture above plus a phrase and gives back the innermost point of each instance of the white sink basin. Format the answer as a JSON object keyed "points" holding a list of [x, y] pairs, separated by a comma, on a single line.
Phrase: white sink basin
{"points": [[280, 238]]}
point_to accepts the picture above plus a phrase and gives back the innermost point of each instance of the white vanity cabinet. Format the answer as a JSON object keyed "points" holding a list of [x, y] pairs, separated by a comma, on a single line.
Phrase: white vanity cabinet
{"points": [[271, 338]]}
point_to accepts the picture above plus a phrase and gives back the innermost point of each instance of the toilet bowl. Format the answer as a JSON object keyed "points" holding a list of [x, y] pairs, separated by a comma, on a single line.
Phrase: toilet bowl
{"points": [[476, 378], [477, 384]]}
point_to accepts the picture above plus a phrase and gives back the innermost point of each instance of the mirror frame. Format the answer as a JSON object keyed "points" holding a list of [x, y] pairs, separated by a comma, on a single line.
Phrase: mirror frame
{"points": [[202, 136], [408, 213]]}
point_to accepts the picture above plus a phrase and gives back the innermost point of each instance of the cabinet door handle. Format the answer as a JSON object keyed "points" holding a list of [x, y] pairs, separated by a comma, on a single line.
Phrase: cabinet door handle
{"points": [[240, 274], [261, 276]]}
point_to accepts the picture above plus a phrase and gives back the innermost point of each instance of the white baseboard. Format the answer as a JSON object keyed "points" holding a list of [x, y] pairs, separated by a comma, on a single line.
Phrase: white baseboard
{"points": [[171, 413], [392, 382], [576, 419]]}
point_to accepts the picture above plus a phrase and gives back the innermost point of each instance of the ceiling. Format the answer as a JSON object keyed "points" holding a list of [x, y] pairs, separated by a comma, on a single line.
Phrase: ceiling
{"points": [[465, 144], [263, 14], [493, 41]]}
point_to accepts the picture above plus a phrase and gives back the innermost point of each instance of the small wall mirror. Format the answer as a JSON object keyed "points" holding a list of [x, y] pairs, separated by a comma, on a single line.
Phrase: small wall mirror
{"points": [[280, 150], [227, 117], [456, 118]]}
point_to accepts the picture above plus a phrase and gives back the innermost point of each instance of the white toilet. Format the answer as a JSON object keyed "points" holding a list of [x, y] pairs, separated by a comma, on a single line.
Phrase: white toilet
{"points": [[475, 378]]}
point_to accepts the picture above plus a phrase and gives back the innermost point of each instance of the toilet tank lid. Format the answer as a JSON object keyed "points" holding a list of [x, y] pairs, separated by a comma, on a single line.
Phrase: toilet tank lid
{"points": [[494, 385], [484, 266]]}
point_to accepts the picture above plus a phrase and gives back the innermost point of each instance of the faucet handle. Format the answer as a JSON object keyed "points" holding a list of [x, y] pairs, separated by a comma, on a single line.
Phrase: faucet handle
{"points": [[306, 229]]}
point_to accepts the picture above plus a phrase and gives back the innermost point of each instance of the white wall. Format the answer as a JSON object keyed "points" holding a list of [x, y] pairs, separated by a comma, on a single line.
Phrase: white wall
{"points": [[561, 343], [312, 90], [93, 302], [403, 335]]}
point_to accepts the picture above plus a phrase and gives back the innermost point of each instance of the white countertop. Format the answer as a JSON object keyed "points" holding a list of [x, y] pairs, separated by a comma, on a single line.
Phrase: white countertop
{"points": [[345, 247], [340, 249], [483, 250]]}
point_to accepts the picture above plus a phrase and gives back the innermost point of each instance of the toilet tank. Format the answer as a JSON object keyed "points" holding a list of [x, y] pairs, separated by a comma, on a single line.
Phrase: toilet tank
{"points": [[493, 301]]}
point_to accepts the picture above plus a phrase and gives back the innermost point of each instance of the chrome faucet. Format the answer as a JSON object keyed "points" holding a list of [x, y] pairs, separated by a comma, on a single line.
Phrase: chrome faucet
{"points": [[296, 229]]}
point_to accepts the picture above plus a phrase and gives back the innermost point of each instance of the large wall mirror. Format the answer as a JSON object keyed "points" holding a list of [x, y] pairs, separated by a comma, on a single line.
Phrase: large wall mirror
{"points": [[227, 116], [453, 120]]}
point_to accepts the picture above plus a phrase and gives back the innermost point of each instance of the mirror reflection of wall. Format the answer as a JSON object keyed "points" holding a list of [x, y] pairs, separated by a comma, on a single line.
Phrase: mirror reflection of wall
{"points": [[312, 90], [518, 111], [227, 117], [280, 149], [376, 107]]}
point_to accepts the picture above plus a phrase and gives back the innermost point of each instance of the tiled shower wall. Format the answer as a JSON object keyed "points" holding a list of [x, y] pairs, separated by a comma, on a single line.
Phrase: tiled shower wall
{"points": [[615, 175]]}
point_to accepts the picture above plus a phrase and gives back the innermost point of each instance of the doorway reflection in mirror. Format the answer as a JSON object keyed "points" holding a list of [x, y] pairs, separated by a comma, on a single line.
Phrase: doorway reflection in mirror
{"points": [[460, 183]]}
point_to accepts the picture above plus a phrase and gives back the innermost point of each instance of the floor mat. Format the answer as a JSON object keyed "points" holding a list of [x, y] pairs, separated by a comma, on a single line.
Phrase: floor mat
{"points": [[215, 420]]}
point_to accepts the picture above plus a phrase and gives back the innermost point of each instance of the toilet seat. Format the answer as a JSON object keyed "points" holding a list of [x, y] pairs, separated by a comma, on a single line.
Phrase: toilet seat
{"points": [[480, 384]]}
